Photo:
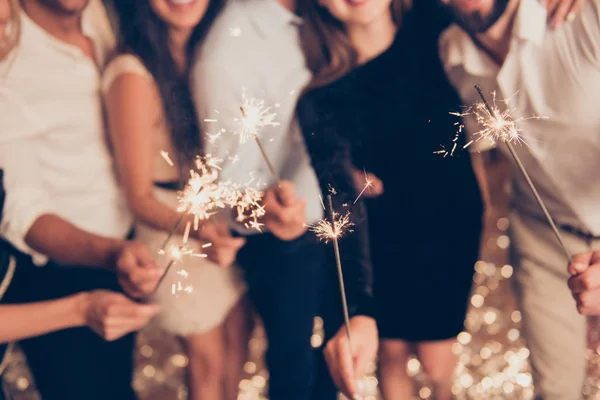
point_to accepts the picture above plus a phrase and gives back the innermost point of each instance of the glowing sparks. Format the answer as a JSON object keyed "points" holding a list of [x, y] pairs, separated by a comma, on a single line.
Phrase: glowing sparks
{"points": [[327, 231], [255, 115], [165, 155], [212, 137], [204, 195], [498, 125], [368, 184]]}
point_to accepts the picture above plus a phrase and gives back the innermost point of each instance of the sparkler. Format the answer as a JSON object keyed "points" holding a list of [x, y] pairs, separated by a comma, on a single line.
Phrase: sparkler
{"points": [[332, 228], [368, 184], [255, 116], [500, 126], [202, 197]]}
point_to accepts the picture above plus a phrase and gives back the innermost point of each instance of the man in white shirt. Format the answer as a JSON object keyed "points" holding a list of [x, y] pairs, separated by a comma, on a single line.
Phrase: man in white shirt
{"points": [[505, 46], [63, 209], [253, 50]]}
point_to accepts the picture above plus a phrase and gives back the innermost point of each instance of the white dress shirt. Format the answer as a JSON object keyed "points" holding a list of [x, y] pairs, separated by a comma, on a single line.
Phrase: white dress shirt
{"points": [[253, 49], [53, 145], [554, 74]]}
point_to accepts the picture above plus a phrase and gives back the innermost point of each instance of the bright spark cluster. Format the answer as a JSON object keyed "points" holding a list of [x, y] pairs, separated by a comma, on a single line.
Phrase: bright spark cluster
{"points": [[204, 195], [255, 116], [499, 125], [326, 231]]}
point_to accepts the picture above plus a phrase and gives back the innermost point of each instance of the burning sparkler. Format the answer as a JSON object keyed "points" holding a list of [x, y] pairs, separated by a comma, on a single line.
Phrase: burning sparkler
{"points": [[499, 126], [368, 185], [333, 228], [254, 117], [203, 196]]}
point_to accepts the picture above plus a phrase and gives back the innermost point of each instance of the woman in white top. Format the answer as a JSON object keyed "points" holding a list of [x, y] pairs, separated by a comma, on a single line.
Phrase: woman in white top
{"points": [[150, 111]]}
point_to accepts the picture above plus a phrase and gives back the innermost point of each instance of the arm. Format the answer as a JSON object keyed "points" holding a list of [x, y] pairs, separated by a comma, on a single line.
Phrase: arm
{"points": [[29, 220], [22, 321], [330, 155], [133, 108], [331, 159], [111, 315]]}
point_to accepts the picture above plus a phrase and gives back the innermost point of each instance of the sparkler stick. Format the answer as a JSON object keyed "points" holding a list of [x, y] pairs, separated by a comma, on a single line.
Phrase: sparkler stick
{"points": [[164, 275], [262, 149], [336, 232], [528, 179]]}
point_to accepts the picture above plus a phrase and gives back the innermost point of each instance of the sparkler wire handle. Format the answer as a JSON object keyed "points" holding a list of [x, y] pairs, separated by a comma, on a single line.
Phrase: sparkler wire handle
{"points": [[338, 262], [529, 181], [262, 150], [267, 160], [170, 235], [163, 276]]}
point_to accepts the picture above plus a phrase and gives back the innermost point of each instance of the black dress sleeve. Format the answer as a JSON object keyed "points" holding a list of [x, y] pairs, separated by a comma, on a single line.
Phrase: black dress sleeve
{"points": [[330, 154]]}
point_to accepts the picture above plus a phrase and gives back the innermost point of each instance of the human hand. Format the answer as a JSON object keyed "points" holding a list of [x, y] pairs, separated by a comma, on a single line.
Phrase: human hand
{"points": [[224, 247], [285, 215], [374, 185], [560, 11], [585, 282], [112, 315], [348, 369], [138, 274]]}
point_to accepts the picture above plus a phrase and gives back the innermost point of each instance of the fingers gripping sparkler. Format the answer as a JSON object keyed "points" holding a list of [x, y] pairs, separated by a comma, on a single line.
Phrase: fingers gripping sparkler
{"points": [[499, 126], [332, 228]]}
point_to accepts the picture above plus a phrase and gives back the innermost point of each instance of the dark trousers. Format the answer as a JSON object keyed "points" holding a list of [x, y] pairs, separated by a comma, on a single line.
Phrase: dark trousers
{"points": [[290, 283], [72, 364]]}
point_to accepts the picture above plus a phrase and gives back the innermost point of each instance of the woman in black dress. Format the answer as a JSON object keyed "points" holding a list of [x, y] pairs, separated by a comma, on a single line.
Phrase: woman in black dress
{"points": [[380, 102]]}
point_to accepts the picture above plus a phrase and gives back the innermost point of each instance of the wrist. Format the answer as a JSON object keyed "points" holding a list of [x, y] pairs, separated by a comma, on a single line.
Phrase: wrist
{"points": [[80, 304], [109, 253]]}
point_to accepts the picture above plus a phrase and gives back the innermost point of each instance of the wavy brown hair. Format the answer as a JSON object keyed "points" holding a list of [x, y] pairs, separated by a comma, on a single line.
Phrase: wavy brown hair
{"points": [[10, 38], [327, 48]]}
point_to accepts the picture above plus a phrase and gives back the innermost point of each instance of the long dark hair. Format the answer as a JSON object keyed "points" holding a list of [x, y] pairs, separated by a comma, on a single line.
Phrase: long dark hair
{"points": [[327, 48], [143, 34]]}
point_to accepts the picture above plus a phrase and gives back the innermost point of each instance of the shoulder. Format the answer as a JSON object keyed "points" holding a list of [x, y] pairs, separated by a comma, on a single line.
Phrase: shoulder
{"points": [[124, 67], [230, 38], [228, 29]]}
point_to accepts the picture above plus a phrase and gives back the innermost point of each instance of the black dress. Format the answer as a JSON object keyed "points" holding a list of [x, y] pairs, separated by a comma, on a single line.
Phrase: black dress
{"points": [[389, 116]]}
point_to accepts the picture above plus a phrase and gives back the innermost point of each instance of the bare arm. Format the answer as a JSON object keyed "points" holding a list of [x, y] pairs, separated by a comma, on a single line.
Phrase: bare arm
{"points": [[133, 107], [23, 321], [64, 243]]}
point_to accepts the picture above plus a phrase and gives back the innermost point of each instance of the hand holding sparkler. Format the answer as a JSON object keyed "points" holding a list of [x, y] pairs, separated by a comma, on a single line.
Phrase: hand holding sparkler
{"points": [[498, 126], [284, 214], [348, 366], [138, 274], [585, 282]]}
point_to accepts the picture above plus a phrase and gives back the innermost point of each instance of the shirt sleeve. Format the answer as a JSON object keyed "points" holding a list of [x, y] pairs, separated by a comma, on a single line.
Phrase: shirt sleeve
{"points": [[26, 197], [330, 154]]}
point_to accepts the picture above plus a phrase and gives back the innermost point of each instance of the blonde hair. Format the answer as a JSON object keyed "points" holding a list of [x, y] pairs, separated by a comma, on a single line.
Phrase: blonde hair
{"points": [[327, 48], [10, 37]]}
